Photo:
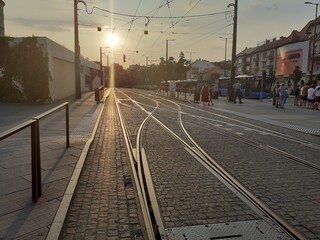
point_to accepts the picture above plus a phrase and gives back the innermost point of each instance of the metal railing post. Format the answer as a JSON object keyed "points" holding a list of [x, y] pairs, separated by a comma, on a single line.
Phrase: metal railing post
{"points": [[38, 162], [67, 126], [34, 162]]}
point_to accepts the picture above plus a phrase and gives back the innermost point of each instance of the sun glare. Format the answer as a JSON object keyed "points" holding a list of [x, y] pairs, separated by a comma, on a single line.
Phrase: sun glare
{"points": [[112, 39]]}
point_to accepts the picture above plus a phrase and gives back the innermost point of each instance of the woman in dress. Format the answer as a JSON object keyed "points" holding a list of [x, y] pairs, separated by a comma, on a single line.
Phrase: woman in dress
{"points": [[205, 94]]}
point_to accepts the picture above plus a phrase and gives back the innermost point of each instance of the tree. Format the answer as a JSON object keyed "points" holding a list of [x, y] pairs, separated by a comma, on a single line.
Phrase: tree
{"points": [[182, 66], [25, 71], [296, 77]]}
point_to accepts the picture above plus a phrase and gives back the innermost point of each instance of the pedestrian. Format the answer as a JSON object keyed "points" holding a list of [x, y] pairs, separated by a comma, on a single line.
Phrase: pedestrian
{"points": [[311, 97], [297, 96], [276, 95], [304, 95], [237, 92], [205, 94], [196, 95], [211, 94], [317, 97], [283, 95]]}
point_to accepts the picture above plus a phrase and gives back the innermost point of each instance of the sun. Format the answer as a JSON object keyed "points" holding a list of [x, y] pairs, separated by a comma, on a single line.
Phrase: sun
{"points": [[112, 39]]}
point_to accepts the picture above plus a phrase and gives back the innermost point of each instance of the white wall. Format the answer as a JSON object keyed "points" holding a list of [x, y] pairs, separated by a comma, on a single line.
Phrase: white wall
{"points": [[61, 67]]}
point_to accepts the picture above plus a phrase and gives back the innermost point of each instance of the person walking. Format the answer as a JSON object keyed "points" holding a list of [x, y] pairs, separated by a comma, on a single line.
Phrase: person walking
{"points": [[205, 94], [297, 96], [211, 95], [317, 97], [311, 97], [237, 92], [283, 95], [304, 95], [276, 95], [196, 95]]}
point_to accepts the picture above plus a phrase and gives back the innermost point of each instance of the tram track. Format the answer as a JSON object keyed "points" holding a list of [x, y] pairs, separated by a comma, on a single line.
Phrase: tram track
{"points": [[270, 149], [139, 162]]}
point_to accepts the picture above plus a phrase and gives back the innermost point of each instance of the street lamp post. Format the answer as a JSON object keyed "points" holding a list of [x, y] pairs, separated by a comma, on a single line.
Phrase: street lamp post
{"points": [[314, 37], [101, 66], [225, 55], [167, 47], [234, 50], [76, 53], [167, 56]]}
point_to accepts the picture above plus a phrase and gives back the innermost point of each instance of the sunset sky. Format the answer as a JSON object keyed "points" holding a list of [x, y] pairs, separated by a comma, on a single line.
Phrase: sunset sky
{"points": [[196, 26]]}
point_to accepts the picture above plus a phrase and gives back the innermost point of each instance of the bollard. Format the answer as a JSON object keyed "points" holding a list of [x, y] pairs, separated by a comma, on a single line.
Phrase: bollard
{"points": [[97, 95]]}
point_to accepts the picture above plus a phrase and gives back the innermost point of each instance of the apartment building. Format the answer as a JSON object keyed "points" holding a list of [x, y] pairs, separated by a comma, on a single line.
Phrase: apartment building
{"points": [[277, 57], [314, 56], [244, 61]]}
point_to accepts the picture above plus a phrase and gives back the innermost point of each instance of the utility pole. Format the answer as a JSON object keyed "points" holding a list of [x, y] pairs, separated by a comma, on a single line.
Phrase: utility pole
{"points": [[2, 4], [234, 50], [76, 53], [101, 68], [190, 55], [225, 54], [166, 70]]}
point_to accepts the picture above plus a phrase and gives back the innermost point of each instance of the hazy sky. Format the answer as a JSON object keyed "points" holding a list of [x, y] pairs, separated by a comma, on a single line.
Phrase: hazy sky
{"points": [[196, 25]]}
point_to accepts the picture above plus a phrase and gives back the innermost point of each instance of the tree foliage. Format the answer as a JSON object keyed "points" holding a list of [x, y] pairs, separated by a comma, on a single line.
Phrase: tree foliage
{"points": [[296, 76], [24, 72], [150, 76]]}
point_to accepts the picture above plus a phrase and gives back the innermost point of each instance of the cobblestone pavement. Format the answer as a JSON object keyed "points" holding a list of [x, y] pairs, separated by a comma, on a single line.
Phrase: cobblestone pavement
{"points": [[104, 205]]}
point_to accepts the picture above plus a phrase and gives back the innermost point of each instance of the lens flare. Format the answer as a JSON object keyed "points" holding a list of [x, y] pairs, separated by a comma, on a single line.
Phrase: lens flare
{"points": [[112, 39]]}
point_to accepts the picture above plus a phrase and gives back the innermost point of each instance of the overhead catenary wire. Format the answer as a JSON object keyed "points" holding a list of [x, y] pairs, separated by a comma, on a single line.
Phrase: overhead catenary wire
{"points": [[161, 27]]}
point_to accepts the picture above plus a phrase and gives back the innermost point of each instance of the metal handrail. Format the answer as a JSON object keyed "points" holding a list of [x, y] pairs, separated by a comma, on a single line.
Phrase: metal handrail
{"points": [[49, 112], [35, 146]]}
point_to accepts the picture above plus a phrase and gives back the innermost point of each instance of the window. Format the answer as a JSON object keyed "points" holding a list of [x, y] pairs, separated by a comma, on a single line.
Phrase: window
{"points": [[264, 64]]}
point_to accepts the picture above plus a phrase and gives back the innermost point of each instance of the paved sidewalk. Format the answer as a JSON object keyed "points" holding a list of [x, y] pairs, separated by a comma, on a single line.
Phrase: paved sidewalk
{"points": [[20, 218], [292, 117]]}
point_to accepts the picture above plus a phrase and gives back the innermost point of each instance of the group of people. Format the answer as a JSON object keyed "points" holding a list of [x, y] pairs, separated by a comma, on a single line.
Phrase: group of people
{"points": [[207, 95], [308, 95]]}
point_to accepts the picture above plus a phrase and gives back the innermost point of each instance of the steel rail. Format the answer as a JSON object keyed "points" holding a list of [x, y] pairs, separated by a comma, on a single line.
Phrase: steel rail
{"points": [[263, 210], [275, 133], [145, 179], [149, 231], [232, 182], [272, 150], [282, 223]]}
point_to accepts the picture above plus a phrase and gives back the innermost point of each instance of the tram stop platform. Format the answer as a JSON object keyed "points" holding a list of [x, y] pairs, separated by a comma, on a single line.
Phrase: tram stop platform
{"points": [[20, 218], [291, 117]]}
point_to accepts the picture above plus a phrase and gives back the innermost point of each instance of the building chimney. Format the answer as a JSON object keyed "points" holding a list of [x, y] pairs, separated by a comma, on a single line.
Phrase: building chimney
{"points": [[1, 18]]}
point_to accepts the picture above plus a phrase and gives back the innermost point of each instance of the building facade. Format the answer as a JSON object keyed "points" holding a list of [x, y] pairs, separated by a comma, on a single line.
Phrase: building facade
{"points": [[197, 68], [276, 57], [46, 63]]}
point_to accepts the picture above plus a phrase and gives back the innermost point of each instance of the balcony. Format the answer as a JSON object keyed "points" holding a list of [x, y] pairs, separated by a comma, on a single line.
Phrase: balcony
{"points": [[271, 56]]}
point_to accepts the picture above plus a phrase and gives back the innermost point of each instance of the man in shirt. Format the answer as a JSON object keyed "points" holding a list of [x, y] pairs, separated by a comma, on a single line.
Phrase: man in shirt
{"points": [[237, 92]]}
